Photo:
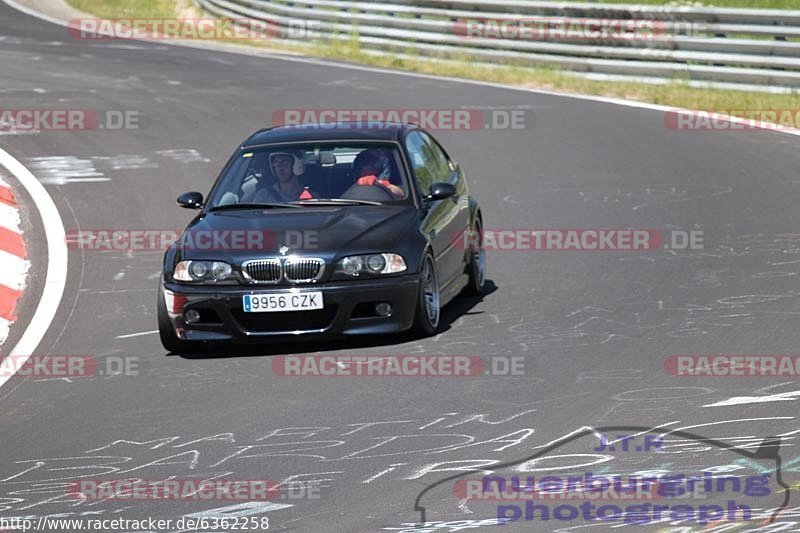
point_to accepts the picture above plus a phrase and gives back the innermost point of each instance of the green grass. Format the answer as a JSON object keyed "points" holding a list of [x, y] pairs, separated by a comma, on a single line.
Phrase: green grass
{"points": [[126, 8], [675, 94]]}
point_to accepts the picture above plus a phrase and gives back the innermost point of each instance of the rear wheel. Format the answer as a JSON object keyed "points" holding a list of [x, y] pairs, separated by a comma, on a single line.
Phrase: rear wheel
{"points": [[476, 267], [426, 320], [169, 339]]}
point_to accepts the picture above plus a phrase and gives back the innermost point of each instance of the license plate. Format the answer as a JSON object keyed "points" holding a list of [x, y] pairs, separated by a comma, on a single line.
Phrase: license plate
{"points": [[282, 301]]}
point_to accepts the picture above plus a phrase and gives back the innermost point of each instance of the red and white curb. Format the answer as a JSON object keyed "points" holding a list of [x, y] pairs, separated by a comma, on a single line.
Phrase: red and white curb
{"points": [[55, 277], [13, 258]]}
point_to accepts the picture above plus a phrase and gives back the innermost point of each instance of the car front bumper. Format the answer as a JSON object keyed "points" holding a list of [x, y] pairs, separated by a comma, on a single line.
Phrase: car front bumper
{"points": [[348, 310]]}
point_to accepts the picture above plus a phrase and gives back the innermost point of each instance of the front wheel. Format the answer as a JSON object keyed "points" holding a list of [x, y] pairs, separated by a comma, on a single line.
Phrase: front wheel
{"points": [[426, 320], [476, 267]]}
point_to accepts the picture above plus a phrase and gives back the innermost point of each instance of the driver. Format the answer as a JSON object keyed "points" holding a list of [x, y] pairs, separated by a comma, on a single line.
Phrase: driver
{"points": [[287, 168], [370, 166]]}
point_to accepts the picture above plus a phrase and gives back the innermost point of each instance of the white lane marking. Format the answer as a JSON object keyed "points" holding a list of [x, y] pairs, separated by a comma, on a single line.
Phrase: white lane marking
{"points": [[9, 217], [59, 170], [327, 63], [64, 169], [14, 271], [55, 277], [56, 181], [740, 400], [720, 422], [140, 334], [18, 132], [240, 509], [381, 473], [126, 161], [184, 155]]}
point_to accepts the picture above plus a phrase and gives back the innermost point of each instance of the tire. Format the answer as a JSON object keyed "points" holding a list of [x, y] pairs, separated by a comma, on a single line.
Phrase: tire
{"points": [[428, 312], [476, 267], [169, 340]]}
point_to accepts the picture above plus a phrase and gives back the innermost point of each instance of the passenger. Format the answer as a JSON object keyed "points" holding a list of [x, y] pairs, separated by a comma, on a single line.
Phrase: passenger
{"points": [[372, 168]]}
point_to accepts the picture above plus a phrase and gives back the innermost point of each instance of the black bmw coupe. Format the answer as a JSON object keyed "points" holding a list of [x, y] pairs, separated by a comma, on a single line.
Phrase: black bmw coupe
{"points": [[323, 229]]}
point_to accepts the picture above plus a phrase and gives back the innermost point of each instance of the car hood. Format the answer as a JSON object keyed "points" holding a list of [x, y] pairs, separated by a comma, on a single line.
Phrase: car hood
{"points": [[324, 231]]}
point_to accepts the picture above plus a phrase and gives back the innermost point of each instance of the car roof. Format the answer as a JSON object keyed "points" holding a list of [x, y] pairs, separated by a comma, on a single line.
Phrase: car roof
{"points": [[333, 131]]}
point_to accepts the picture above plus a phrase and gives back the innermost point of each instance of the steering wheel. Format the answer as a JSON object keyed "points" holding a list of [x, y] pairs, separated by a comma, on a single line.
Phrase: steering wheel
{"points": [[376, 193]]}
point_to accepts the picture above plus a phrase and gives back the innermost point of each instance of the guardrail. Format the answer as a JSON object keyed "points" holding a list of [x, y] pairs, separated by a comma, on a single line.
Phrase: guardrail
{"points": [[751, 49]]}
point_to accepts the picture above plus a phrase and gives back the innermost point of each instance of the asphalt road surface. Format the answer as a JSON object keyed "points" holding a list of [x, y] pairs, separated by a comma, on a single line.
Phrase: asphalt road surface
{"points": [[592, 329]]}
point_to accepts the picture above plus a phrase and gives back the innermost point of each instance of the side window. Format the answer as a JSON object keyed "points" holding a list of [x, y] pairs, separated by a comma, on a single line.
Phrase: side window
{"points": [[415, 145], [439, 160], [428, 161]]}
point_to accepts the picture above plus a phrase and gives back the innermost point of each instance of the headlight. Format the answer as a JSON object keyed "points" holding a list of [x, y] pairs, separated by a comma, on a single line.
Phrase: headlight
{"points": [[203, 272], [356, 265]]}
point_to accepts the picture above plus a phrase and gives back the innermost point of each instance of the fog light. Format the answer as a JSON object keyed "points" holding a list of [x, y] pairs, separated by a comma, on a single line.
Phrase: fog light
{"points": [[192, 316], [383, 309]]}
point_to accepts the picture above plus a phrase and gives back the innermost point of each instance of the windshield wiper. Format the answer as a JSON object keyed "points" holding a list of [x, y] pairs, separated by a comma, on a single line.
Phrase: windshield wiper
{"points": [[334, 201], [251, 206]]}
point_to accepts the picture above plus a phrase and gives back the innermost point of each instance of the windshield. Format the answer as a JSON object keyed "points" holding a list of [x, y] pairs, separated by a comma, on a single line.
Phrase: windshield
{"points": [[361, 173]]}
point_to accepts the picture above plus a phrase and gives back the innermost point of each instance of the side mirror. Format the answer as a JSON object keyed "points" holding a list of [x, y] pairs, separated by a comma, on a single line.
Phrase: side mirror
{"points": [[440, 191], [191, 200]]}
